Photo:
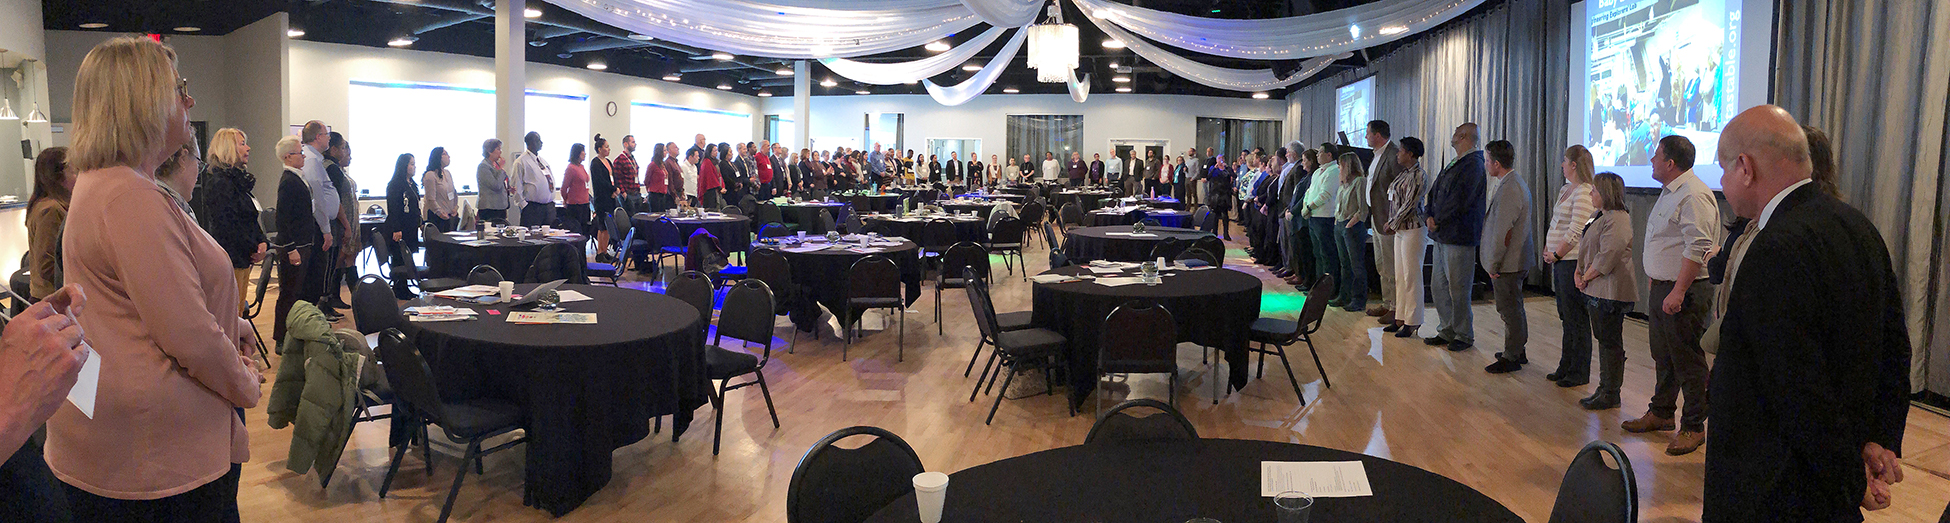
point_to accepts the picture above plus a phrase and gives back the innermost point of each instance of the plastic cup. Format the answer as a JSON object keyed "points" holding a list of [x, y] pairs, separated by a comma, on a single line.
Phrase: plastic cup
{"points": [[1293, 507], [507, 291], [930, 492]]}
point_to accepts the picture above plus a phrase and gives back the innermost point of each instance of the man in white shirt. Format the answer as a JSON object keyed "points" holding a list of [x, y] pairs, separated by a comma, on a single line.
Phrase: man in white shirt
{"points": [[1679, 235], [1114, 170], [324, 194], [1052, 169], [537, 183]]}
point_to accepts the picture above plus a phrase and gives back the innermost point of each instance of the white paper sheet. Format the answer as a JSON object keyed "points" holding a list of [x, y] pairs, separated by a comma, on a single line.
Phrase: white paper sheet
{"points": [[1320, 479], [85, 385], [1119, 282], [1131, 234], [569, 296]]}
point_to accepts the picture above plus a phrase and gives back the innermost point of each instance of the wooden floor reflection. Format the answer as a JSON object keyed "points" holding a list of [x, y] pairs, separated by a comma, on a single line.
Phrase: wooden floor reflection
{"points": [[1509, 436]]}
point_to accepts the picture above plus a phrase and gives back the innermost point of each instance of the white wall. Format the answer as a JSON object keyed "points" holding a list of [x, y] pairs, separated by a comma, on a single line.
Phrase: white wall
{"points": [[20, 28], [201, 59], [254, 96], [1105, 116], [320, 74]]}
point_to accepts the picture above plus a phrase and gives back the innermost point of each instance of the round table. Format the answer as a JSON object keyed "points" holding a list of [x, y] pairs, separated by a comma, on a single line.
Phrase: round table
{"points": [[1213, 308], [585, 390], [449, 257], [980, 208], [1173, 481], [872, 202], [1165, 217], [734, 232], [1022, 190], [967, 229], [1115, 243], [822, 274], [806, 215], [1163, 203]]}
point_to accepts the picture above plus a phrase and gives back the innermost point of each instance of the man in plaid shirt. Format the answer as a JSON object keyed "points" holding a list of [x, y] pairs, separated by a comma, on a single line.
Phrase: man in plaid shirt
{"points": [[623, 170]]}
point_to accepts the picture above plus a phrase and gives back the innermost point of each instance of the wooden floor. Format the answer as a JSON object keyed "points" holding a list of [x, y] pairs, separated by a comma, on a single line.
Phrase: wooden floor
{"points": [[1509, 436]]}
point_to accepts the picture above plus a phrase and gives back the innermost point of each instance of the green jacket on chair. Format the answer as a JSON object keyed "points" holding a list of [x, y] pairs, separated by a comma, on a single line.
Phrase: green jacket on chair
{"points": [[316, 389]]}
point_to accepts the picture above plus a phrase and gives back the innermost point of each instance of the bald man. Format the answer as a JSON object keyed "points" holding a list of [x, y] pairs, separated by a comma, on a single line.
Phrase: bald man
{"points": [[1812, 374]]}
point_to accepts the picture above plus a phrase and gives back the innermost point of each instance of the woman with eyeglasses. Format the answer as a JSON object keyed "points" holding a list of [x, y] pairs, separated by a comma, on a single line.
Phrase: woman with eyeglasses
{"points": [[162, 437]]}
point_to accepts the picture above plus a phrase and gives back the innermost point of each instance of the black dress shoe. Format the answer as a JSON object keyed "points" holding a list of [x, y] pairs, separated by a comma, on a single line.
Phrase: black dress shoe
{"points": [[1554, 376], [1502, 366], [1408, 331], [1460, 346], [1436, 340], [1598, 402], [1568, 383], [1391, 328]]}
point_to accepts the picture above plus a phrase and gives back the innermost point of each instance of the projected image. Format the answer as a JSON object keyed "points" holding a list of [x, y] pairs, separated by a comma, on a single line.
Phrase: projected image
{"points": [[1354, 108], [1660, 67]]}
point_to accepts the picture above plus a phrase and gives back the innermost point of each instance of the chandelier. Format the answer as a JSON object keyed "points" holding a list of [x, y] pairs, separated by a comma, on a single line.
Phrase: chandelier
{"points": [[1053, 48]]}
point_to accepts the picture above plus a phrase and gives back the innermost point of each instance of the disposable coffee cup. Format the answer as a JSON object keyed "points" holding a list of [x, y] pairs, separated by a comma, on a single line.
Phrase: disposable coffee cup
{"points": [[930, 492], [507, 291]]}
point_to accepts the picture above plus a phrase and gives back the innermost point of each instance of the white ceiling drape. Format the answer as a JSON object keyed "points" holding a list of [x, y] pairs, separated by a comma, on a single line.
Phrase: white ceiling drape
{"points": [[1211, 75], [1290, 38], [967, 90], [910, 71], [775, 30], [1079, 89], [1005, 13]]}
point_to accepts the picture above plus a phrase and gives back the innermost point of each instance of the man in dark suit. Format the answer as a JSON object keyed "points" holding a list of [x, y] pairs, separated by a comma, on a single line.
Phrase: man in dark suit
{"points": [[1811, 381], [298, 229], [953, 169], [1455, 216]]}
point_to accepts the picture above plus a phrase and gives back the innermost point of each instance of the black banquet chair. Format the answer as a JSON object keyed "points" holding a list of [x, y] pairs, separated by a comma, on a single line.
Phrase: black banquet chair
{"points": [[1071, 215], [1006, 238], [470, 422], [374, 308], [768, 265], [1118, 424], [747, 317], [1274, 335], [1169, 248], [694, 288], [874, 282], [839, 485], [1597, 492], [1015, 351], [964, 255], [611, 273], [1202, 255], [484, 275], [1139, 337], [1211, 244]]}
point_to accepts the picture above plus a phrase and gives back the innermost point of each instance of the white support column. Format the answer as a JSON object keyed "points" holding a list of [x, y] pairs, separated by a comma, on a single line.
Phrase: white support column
{"points": [[802, 103], [510, 76]]}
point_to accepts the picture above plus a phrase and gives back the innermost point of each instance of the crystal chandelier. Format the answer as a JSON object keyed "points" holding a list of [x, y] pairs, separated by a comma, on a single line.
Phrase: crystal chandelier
{"points": [[1053, 48]]}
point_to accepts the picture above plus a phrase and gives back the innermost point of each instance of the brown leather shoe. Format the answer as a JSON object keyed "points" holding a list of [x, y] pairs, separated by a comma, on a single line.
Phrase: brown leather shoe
{"points": [[1387, 318], [1378, 310], [1685, 442], [1648, 423]]}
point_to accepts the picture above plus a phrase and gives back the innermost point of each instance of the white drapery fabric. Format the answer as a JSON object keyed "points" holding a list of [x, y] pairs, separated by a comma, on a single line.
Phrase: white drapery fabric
{"points": [[910, 71], [1288, 38], [1005, 13], [1210, 75], [1079, 89], [975, 85], [776, 30]]}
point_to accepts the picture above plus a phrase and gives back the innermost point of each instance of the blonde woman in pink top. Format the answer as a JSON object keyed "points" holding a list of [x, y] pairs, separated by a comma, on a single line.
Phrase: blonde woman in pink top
{"points": [[164, 438]]}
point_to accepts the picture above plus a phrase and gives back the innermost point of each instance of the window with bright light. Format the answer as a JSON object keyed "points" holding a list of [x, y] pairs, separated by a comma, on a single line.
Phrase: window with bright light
{"points": [[387, 119]]}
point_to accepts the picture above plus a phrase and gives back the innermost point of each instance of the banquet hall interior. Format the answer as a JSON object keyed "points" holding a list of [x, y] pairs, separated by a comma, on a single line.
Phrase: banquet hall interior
{"points": [[1229, 260]]}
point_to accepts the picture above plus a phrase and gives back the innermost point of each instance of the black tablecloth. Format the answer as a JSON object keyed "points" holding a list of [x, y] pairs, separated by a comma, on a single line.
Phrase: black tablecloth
{"points": [[921, 194], [966, 229], [734, 232], [1017, 199], [981, 209], [806, 215], [1096, 243], [585, 390], [822, 274], [1163, 203], [1023, 190], [1166, 218], [876, 202], [1173, 481], [1213, 308], [449, 258], [1088, 200]]}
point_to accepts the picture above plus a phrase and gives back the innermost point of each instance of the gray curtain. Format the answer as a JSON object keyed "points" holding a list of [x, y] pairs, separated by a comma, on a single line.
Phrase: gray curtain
{"points": [[1875, 74], [1037, 134], [1502, 69], [1228, 135]]}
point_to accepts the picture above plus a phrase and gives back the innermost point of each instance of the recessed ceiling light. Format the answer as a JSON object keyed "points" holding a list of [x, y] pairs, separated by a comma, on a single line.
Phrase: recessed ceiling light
{"points": [[531, 13], [937, 46], [1010, 90], [1113, 43], [783, 71], [828, 83], [1121, 79], [294, 32], [597, 66], [673, 77], [93, 25], [726, 87], [640, 37], [1393, 30], [1123, 89], [971, 68], [403, 41], [721, 56], [764, 94], [187, 29], [1113, 65], [863, 91], [1260, 96]]}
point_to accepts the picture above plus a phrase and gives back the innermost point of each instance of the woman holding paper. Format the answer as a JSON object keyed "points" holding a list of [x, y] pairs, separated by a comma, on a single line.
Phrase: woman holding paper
{"points": [[162, 435]]}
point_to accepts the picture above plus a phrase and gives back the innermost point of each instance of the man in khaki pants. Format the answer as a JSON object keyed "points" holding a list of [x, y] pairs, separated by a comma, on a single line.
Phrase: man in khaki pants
{"points": [[1381, 175]]}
